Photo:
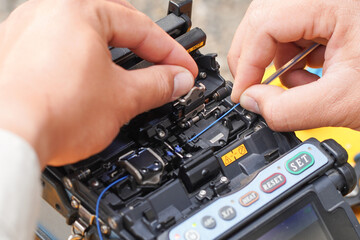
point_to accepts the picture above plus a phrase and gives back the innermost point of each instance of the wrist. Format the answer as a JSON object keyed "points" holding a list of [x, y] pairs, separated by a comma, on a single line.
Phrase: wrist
{"points": [[21, 119]]}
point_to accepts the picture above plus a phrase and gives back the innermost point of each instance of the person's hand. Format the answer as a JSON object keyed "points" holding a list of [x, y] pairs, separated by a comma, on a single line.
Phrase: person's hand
{"points": [[60, 90], [278, 30]]}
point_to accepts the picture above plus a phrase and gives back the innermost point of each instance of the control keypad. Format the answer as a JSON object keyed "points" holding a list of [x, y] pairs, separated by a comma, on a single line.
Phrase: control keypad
{"points": [[271, 182]]}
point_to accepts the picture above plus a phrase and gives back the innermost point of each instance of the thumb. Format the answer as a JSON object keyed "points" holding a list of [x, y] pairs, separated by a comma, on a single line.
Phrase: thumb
{"points": [[303, 107], [154, 86]]}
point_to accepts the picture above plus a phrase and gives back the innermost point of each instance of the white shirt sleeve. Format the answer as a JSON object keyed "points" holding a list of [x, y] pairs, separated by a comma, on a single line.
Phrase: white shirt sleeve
{"points": [[20, 187]]}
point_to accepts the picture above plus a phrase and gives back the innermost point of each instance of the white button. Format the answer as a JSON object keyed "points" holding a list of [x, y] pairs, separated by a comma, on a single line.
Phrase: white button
{"points": [[192, 235]]}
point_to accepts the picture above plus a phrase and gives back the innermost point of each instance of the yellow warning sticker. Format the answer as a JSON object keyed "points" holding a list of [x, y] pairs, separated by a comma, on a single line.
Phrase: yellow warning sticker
{"points": [[234, 155]]}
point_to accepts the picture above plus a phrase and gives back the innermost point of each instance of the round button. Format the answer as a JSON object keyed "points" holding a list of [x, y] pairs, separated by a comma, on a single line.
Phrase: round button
{"points": [[208, 222], [192, 235], [227, 213]]}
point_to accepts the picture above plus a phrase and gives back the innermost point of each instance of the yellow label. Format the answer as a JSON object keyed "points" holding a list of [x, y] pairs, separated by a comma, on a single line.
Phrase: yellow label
{"points": [[197, 46], [234, 154]]}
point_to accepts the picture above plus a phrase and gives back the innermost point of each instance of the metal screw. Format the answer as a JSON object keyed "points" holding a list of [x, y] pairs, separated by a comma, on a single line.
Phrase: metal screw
{"points": [[68, 183], [112, 222], [105, 229], [188, 155], [95, 183], [202, 75], [248, 117], [161, 133], [202, 193], [216, 96], [224, 179], [107, 165], [75, 204]]}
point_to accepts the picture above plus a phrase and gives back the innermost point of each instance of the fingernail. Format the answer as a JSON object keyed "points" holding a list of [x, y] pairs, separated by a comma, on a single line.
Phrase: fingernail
{"points": [[249, 103], [183, 82]]}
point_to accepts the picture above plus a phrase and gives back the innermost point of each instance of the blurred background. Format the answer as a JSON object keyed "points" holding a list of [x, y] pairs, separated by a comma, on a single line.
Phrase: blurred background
{"points": [[218, 19]]}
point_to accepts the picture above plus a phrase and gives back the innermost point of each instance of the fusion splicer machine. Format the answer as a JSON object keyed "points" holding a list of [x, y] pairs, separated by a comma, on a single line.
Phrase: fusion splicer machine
{"points": [[202, 167]]}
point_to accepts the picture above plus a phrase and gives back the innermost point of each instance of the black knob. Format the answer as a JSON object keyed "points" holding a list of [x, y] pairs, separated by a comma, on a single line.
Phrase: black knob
{"points": [[336, 151]]}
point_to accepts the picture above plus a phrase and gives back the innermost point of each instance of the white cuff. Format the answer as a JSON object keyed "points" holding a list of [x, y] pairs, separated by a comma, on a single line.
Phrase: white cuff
{"points": [[20, 187]]}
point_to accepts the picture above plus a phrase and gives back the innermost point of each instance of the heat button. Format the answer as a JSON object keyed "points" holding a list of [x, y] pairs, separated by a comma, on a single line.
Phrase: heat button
{"points": [[300, 163], [249, 198], [273, 182]]}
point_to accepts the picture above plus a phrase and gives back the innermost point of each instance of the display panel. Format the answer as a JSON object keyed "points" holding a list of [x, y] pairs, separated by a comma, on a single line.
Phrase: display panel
{"points": [[304, 224]]}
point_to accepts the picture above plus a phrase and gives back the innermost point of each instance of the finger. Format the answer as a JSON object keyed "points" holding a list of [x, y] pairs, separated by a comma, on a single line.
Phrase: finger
{"points": [[320, 105], [2, 31], [234, 51], [251, 66], [258, 46], [124, 3], [148, 88], [143, 37]]}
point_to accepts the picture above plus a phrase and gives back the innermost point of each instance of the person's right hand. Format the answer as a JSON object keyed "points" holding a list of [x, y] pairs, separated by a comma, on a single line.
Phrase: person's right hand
{"points": [[278, 30]]}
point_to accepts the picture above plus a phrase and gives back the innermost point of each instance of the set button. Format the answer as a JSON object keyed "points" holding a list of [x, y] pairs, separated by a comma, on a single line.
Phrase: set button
{"points": [[227, 213], [299, 163], [273, 182], [208, 222], [249, 198]]}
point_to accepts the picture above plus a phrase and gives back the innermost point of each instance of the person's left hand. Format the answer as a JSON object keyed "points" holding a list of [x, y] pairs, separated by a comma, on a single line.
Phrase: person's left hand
{"points": [[60, 90]]}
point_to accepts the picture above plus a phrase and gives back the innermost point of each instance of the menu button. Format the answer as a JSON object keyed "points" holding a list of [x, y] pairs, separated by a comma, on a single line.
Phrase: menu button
{"points": [[208, 222]]}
